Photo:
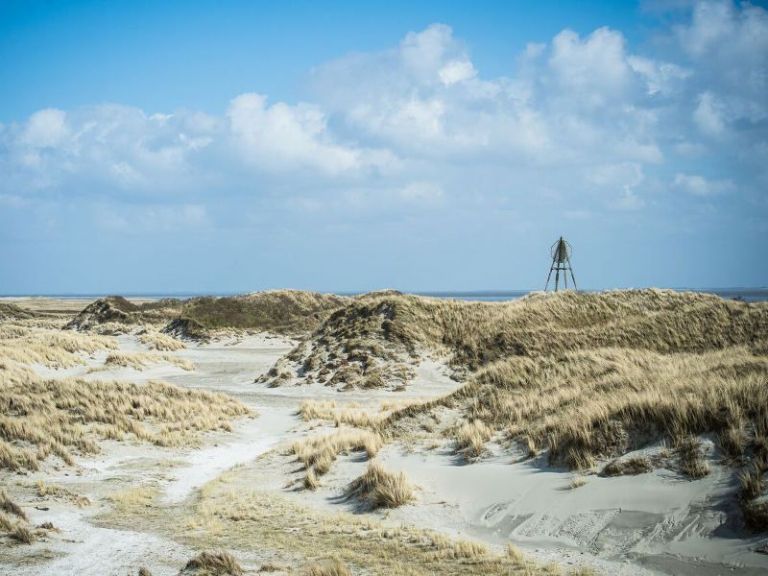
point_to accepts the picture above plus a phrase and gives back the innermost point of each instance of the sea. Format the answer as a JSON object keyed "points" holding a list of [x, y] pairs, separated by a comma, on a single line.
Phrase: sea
{"points": [[743, 294]]}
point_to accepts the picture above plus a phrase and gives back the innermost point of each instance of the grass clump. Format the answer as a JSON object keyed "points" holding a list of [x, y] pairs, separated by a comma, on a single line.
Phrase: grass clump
{"points": [[692, 462], [378, 488], [9, 506], [219, 563], [135, 497], [627, 467], [22, 534], [471, 438], [140, 360], [318, 453], [330, 567], [160, 342]]}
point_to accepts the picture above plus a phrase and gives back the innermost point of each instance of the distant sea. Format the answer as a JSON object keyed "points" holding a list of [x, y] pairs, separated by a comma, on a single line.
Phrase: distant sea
{"points": [[745, 294]]}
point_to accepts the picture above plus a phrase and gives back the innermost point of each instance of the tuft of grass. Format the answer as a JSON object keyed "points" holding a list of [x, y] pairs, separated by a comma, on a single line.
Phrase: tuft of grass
{"points": [[140, 360], [22, 534], [515, 554], [8, 505], [577, 482], [378, 488], [692, 462], [330, 567], [48, 490], [136, 497], [160, 342], [628, 466], [471, 437], [319, 452], [219, 563], [311, 481]]}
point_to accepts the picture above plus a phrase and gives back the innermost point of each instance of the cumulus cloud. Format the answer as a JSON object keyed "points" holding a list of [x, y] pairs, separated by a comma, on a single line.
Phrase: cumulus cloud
{"points": [[587, 116], [287, 137], [701, 186]]}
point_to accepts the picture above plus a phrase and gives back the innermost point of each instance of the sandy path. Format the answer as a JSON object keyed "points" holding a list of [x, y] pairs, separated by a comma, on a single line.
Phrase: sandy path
{"points": [[247, 443]]}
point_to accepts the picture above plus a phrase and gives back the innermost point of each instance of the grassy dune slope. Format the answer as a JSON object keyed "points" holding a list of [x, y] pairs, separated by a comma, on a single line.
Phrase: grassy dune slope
{"points": [[40, 416], [582, 376], [282, 311], [375, 336], [279, 311]]}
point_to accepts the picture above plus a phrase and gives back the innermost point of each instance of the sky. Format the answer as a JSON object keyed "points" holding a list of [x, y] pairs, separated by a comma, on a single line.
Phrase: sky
{"points": [[194, 146]]}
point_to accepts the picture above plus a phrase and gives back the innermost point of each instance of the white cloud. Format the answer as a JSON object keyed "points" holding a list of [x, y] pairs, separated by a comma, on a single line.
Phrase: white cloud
{"points": [[709, 114], [700, 186], [46, 128], [594, 70], [287, 137], [457, 71], [584, 116]]}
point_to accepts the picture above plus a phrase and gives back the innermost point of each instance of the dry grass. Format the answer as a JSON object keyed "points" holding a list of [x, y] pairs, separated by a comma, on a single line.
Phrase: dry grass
{"points": [[606, 402], [471, 437], [40, 417], [279, 311], [375, 332], [22, 534], [17, 530], [135, 497], [116, 311], [140, 360], [577, 482], [350, 414], [160, 342], [229, 513], [9, 506], [51, 491], [378, 488], [219, 563], [692, 462], [29, 344], [627, 466], [330, 567], [318, 453]]}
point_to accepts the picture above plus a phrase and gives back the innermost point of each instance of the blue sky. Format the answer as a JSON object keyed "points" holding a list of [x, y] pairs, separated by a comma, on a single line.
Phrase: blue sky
{"points": [[234, 146]]}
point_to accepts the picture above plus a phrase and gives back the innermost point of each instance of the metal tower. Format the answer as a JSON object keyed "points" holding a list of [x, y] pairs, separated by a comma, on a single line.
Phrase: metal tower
{"points": [[561, 261]]}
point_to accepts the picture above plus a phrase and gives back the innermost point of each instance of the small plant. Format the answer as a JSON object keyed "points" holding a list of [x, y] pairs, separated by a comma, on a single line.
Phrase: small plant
{"points": [[22, 534], [381, 489], [214, 564], [630, 466], [471, 438], [577, 482], [515, 554], [692, 463], [330, 567]]}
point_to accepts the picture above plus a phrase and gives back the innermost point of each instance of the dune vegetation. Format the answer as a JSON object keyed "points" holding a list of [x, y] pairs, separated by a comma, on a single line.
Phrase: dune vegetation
{"points": [[266, 523], [160, 323], [318, 453], [65, 416], [378, 488], [581, 377], [380, 334]]}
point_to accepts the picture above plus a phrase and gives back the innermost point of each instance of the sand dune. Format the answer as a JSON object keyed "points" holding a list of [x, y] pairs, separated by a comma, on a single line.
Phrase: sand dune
{"points": [[615, 433]]}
